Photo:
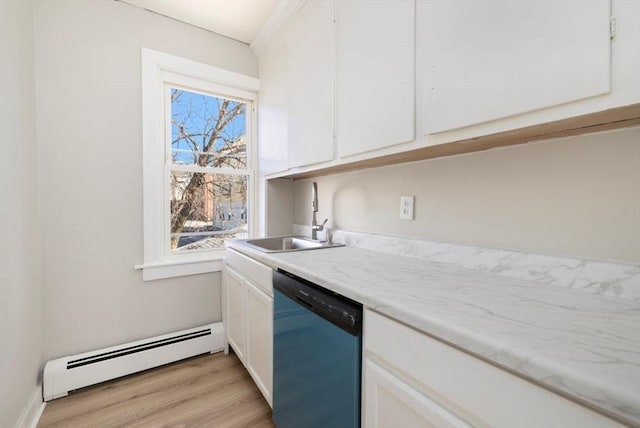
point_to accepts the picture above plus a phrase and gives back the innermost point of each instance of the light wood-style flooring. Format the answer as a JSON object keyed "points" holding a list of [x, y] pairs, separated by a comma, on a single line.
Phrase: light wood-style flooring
{"points": [[205, 391]]}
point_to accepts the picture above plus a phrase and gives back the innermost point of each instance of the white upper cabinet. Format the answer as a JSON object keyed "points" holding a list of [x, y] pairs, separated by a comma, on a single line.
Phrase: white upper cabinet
{"points": [[375, 89], [273, 110], [310, 84], [351, 81], [479, 61]]}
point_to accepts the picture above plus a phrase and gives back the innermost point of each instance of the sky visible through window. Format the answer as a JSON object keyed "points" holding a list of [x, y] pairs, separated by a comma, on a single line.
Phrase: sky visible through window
{"points": [[193, 120]]}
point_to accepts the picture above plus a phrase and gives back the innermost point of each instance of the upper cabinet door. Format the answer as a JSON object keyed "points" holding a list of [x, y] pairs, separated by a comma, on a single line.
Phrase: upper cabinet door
{"points": [[479, 61], [273, 110], [375, 94], [310, 84]]}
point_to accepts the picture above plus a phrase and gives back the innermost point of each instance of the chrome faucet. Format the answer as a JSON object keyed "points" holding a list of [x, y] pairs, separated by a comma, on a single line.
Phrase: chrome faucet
{"points": [[315, 227]]}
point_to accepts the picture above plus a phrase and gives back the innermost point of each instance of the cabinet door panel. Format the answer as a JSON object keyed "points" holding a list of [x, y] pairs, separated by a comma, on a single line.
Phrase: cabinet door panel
{"points": [[375, 74], [481, 61], [310, 92], [260, 339], [392, 403], [273, 111], [235, 312]]}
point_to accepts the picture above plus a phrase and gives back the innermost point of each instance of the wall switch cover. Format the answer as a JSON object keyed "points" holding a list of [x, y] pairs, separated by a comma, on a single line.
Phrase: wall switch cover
{"points": [[406, 207]]}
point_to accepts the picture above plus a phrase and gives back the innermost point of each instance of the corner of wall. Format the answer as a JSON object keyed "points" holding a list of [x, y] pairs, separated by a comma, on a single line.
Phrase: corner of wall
{"points": [[32, 412]]}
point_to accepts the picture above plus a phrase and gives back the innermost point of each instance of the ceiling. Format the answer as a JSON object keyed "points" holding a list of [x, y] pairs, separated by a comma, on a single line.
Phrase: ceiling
{"points": [[237, 19]]}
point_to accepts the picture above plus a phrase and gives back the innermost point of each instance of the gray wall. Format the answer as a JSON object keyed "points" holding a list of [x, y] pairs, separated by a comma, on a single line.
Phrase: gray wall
{"points": [[90, 161], [20, 290], [578, 196]]}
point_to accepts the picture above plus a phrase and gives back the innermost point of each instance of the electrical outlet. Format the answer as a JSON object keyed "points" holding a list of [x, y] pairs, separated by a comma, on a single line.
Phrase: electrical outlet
{"points": [[406, 207]]}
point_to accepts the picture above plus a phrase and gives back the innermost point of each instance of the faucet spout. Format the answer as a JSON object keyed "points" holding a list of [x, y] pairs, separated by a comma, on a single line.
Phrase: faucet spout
{"points": [[315, 227], [314, 196]]}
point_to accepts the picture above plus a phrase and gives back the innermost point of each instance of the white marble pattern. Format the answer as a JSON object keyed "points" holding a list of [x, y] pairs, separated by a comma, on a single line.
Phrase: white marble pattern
{"points": [[581, 344], [599, 277]]}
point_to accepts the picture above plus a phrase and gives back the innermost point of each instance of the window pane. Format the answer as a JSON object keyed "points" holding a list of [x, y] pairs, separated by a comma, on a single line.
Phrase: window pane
{"points": [[207, 208], [207, 130]]}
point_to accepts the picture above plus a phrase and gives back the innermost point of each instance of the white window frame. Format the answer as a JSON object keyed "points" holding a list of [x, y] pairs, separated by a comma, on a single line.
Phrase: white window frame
{"points": [[160, 70]]}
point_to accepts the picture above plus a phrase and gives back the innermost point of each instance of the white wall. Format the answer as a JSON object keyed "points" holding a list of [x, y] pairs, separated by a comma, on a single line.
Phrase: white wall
{"points": [[90, 160], [577, 196], [20, 289]]}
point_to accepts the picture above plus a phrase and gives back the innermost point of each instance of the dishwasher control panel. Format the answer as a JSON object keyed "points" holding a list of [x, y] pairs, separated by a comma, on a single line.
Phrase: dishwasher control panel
{"points": [[337, 309]]}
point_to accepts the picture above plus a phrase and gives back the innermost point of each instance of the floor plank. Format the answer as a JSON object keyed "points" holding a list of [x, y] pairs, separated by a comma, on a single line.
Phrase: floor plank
{"points": [[206, 391]]}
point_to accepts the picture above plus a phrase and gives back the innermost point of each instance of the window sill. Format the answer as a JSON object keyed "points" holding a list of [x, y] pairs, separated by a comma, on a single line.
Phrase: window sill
{"points": [[161, 270]]}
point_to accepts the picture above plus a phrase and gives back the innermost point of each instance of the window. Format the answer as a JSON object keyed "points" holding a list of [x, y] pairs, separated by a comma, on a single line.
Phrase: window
{"points": [[198, 163], [208, 175]]}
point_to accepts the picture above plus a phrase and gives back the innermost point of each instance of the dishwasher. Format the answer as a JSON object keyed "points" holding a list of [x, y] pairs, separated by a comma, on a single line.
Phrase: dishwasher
{"points": [[317, 351]]}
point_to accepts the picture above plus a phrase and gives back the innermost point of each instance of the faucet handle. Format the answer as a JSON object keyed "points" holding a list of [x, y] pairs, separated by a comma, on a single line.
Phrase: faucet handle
{"points": [[319, 226], [315, 228]]}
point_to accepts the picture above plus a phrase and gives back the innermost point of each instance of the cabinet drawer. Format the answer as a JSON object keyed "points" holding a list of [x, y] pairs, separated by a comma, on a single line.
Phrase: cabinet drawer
{"points": [[475, 390], [259, 274]]}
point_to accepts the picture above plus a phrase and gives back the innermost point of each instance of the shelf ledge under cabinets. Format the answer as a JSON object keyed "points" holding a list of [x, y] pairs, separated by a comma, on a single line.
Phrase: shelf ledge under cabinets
{"points": [[621, 117]]}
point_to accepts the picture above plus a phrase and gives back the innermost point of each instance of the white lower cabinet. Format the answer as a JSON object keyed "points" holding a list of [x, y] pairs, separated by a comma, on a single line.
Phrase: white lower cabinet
{"points": [[248, 317], [392, 402], [413, 380], [259, 334], [236, 311]]}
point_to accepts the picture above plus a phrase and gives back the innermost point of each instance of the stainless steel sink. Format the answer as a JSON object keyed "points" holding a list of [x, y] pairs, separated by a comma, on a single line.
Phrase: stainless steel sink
{"points": [[281, 244]]}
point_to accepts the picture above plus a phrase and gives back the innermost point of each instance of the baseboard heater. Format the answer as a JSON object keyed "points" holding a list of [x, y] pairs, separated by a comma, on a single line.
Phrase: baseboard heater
{"points": [[77, 371]]}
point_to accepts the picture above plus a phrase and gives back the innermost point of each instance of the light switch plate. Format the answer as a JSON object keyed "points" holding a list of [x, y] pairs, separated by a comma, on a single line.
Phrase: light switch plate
{"points": [[406, 207]]}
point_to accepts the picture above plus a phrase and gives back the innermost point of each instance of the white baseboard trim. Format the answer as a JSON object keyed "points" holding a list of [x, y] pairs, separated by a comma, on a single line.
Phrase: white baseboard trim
{"points": [[31, 413]]}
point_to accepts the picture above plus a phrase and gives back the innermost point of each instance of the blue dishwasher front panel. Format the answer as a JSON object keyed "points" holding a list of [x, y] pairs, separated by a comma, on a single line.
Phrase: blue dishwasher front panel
{"points": [[317, 370]]}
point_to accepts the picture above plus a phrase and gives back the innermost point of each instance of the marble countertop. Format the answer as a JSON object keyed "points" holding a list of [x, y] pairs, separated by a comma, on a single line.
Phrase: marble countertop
{"points": [[580, 344]]}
